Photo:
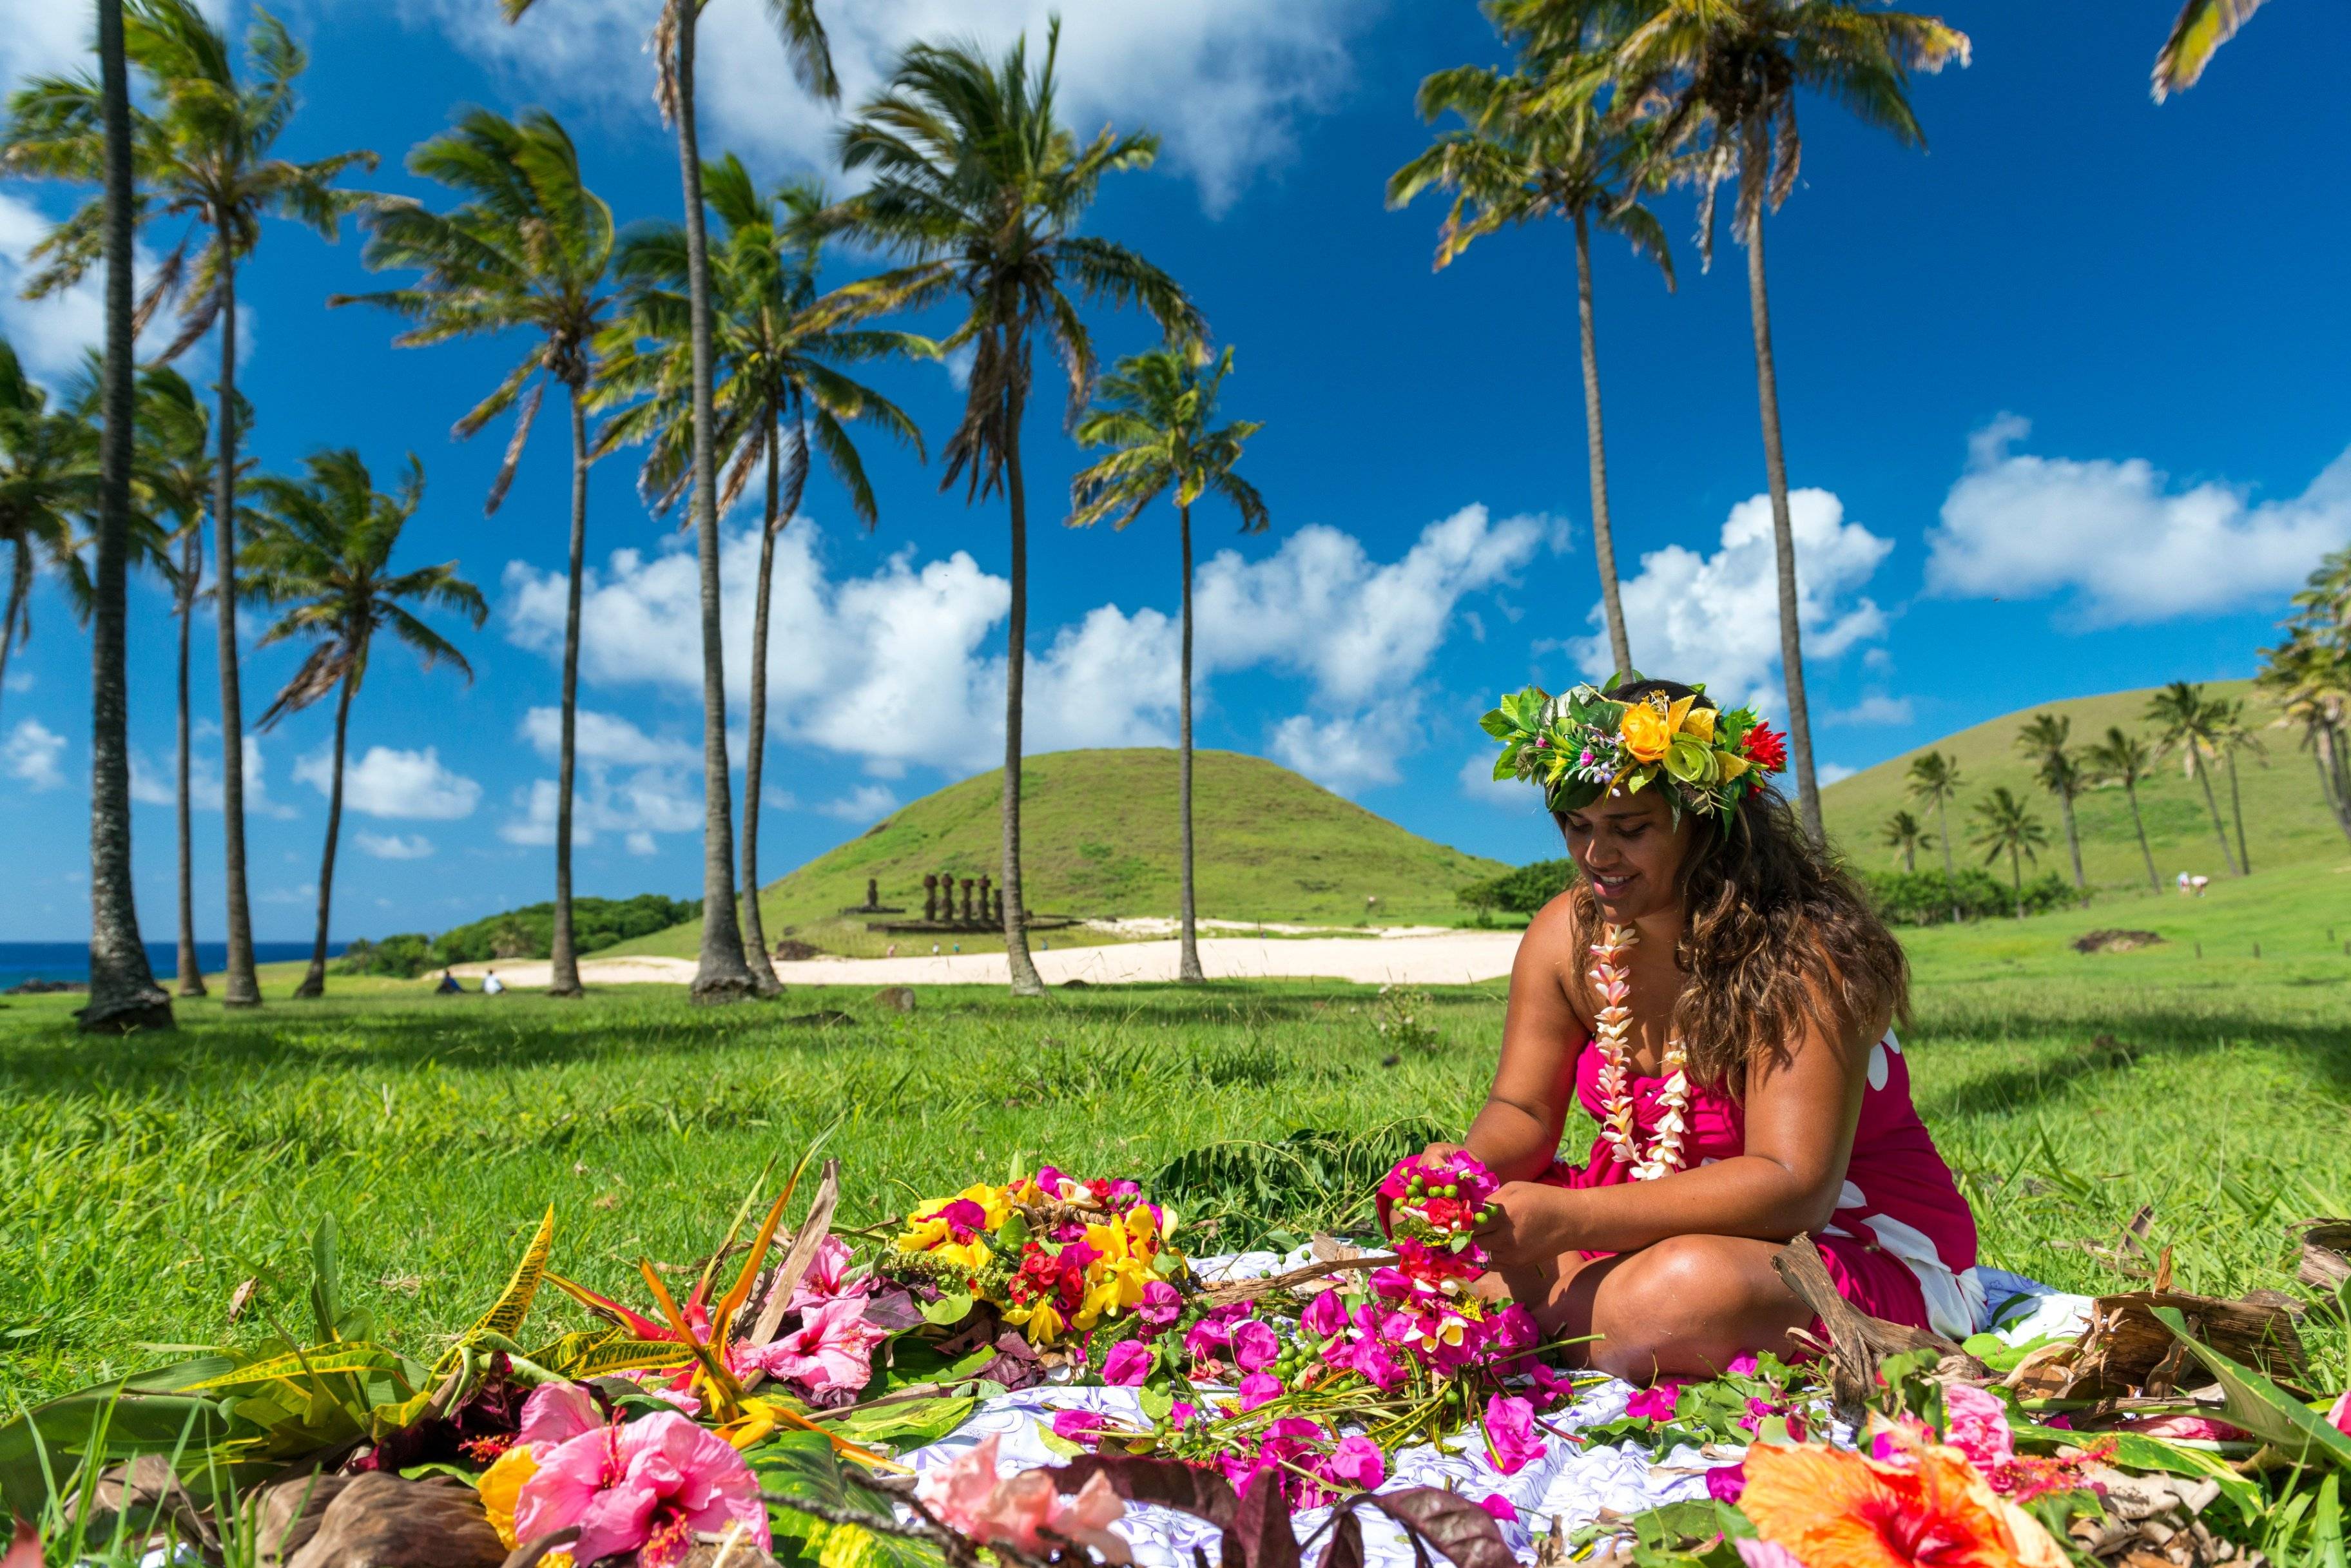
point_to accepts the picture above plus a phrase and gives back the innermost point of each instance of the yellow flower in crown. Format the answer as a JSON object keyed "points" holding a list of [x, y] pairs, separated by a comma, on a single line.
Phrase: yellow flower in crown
{"points": [[1648, 731], [1699, 722], [1115, 1278]]}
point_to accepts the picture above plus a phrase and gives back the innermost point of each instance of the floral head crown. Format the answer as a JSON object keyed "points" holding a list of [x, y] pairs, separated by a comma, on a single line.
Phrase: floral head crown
{"points": [[1588, 743]]}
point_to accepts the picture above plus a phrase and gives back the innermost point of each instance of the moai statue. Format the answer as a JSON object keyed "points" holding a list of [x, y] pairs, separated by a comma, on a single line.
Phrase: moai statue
{"points": [[872, 893], [997, 916], [931, 896], [966, 901], [985, 907]]}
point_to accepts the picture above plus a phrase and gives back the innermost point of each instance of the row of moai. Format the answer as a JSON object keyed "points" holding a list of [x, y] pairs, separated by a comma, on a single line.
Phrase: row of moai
{"points": [[939, 900]]}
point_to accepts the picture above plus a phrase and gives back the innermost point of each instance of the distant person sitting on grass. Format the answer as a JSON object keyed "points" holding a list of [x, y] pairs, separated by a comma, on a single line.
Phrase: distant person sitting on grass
{"points": [[1718, 995], [491, 985], [448, 986]]}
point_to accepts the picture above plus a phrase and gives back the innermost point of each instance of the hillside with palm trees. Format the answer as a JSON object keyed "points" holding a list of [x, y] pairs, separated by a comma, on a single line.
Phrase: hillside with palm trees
{"points": [[2286, 818]]}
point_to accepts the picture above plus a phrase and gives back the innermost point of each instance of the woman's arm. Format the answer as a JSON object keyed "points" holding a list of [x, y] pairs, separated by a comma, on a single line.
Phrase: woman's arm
{"points": [[1801, 1114], [1516, 1132]]}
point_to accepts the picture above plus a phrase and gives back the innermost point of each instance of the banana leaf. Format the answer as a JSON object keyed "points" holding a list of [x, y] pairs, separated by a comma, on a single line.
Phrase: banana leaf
{"points": [[2261, 1407]]}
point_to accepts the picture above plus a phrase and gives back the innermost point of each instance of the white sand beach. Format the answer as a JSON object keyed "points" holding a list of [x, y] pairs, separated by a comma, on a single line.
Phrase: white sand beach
{"points": [[1450, 958]]}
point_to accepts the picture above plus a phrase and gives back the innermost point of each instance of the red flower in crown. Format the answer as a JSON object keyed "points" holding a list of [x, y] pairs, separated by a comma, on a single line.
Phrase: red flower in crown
{"points": [[1766, 748]]}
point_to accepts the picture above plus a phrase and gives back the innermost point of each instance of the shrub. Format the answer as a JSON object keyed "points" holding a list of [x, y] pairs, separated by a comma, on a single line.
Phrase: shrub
{"points": [[1520, 892], [525, 933], [400, 957], [1930, 898]]}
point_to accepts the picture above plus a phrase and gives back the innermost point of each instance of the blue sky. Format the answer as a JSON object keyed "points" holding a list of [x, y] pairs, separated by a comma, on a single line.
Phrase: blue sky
{"points": [[2064, 400]]}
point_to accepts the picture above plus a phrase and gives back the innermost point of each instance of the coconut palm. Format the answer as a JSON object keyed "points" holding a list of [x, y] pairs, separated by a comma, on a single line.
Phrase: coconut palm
{"points": [[2006, 825], [1156, 413], [1721, 77], [721, 973], [1933, 779], [1902, 833], [528, 250], [2200, 29], [2312, 683], [201, 151], [320, 558], [2043, 742], [2184, 721], [979, 184], [2225, 723], [47, 475], [780, 397], [2125, 759], [1535, 148]]}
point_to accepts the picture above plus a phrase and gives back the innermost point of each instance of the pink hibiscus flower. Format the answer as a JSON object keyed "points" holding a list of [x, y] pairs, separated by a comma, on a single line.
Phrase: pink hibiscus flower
{"points": [[1127, 1364], [648, 1488], [832, 1348], [555, 1414], [1026, 1511], [1976, 1424], [829, 1275]]}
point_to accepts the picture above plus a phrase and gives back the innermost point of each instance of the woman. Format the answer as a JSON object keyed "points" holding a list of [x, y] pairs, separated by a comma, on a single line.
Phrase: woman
{"points": [[1718, 995]]}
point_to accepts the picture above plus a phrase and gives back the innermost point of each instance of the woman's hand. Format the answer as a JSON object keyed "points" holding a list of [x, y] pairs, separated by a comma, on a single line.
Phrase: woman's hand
{"points": [[1439, 1153], [1532, 1227]]}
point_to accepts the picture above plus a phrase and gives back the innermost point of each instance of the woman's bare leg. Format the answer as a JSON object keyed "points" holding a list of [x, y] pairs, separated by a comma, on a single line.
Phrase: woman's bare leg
{"points": [[1683, 1308]]}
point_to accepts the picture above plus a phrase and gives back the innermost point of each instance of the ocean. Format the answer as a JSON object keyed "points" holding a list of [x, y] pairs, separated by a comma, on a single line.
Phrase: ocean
{"points": [[70, 960]]}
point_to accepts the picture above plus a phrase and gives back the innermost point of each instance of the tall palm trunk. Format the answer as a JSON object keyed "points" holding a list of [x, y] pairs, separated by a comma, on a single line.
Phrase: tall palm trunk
{"points": [[1604, 537], [2237, 811], [1775, 473], [1943, 836], [2072, 840], [123, 995], [1026, 981], [1910, 857], [2016, 878], [191, 968], [2196, 765], [1187, 957], [754, 745], [314, 981], [240, 988], [563, 971], [20, 584], [720, 975], [2325, 753], [2137, 824]]}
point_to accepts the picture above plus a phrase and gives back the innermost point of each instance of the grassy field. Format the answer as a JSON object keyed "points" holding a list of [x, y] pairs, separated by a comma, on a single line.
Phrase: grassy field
{"points": [[2285, 819], [148, 1178], [1099, 831]]}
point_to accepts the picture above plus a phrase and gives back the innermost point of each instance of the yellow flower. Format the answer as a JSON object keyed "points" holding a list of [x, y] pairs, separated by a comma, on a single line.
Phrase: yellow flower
{"points": [[1041, 1320], [1117, 1277], [1645, 733], [499, 1485], [1699, 722]]}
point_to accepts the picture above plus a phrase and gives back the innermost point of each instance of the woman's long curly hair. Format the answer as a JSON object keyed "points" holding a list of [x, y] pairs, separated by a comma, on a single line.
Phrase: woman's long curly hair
{"points": [[1775, 936]]}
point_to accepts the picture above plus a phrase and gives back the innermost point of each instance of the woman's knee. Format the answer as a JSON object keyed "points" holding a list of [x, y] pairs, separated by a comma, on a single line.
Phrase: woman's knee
{"points": [[1681, 1307]]}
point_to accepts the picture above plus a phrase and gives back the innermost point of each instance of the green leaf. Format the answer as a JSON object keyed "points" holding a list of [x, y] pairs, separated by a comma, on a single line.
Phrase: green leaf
{"points": [[2260, 1407], [948, 1309], [909, 1424], [2135, 1452], [1498, 722], [1013, 1234], [325, 1287], [2327, 1525], [504, 1317], [625, 1355]]}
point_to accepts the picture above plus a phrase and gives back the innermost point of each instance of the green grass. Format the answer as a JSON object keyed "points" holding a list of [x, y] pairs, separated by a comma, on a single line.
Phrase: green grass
{"points": [[147, 1178], [1099, 839], [2287, 820]]}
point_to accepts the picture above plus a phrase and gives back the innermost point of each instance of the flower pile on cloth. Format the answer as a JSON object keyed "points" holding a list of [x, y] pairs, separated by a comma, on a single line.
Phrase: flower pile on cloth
{"points": [[1053, 1254]]}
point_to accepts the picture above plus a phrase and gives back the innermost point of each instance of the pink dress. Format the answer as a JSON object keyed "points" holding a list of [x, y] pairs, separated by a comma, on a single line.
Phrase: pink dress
{"points": [[1902, 1243]]}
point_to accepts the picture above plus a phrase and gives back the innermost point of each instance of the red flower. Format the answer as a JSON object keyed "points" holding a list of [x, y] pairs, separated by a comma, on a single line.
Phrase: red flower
{"points": [[1766, 748]]}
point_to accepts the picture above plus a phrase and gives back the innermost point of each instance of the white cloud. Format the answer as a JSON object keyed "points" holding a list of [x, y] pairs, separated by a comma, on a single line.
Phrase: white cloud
{"points": [[1222, 82], [1478, 782], [641, 843], [605, 737], [19, 681], [385, 782], [308, 892], [1877, 708], [31, 753], [866, 803], [2128, 547], [1716, 618], [152, 786], [1830, 773], [394, 846], [646, 801], [1349, 751]]}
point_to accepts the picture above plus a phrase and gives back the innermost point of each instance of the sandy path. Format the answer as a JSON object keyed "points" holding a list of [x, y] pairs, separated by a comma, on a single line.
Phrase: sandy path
{"points": [[1456, 957]]}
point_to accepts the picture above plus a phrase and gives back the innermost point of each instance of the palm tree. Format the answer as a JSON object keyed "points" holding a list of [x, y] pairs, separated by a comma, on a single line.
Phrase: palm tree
{"points": [[2006, 825], [320, 557], [976, 180], [1934, 780], [1157, 414], [721, 973], [1532, 149], [1721, 77], [778, 397], [2042, 740], [2125, 759], [528, 248], [48, 473], [201, 151], [2200, 29], [2312, 683], [2225, 723], [1903, 833], [2184, 724]]}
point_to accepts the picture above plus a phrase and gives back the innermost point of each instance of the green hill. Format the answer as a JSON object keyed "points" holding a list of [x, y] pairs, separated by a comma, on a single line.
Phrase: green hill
{"points": [[2285, 819], [1099, 840]]}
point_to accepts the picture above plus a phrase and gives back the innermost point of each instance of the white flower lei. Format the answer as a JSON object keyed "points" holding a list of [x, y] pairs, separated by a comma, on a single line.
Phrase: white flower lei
{"points": [[1614, 987]]}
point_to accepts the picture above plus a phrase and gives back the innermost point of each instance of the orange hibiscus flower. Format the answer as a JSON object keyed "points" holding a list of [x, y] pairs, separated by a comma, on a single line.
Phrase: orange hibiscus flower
{"points": [[1835, 1508]]}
